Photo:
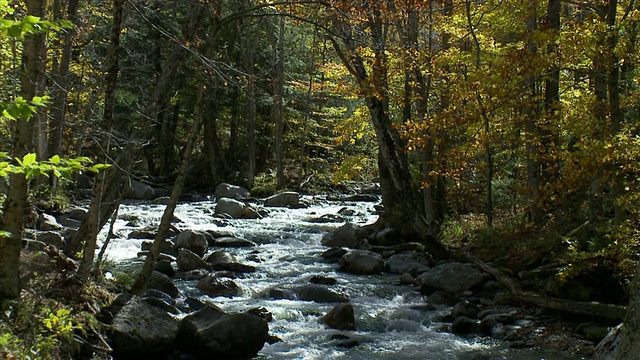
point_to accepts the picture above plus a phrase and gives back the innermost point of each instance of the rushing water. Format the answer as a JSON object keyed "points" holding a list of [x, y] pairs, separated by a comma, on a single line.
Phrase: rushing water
{"points": [[288, 253]]}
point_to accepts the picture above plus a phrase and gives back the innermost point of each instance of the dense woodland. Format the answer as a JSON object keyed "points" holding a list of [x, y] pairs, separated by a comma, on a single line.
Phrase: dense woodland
{"points": [[507, 128]]}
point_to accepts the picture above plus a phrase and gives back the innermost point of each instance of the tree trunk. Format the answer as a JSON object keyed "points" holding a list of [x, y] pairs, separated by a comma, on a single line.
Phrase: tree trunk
{"points": [[395, 178], [629, 343], [95, 217], [15, 205], [165, 223], [250, 113], [530, 117], [278, 93], [60, 88]]}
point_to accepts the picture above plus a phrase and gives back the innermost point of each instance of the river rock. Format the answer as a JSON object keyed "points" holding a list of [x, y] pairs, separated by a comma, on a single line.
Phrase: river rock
{"points": [[164, 267], [223, 261], [463, 325], [139, 191], [341, 317], [188, 260], [251, 213], [361, 262], [322, 280], [231, 207], [344, 236], [162, 282], [51, 238], [220, 257], [210, 333], [406, 263], [465, 308], [142, 234], [231, 241], [140, 330], [452, 278], [387, 236], [333, 254], [193, 240], [225, 190], [442, 298], [320, 294], [284, 199], [215, 286], [161, 300], [48, 222]]}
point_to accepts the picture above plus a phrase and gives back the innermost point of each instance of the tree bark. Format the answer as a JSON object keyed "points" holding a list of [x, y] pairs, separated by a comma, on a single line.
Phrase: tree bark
{"points": [[165, 223], [629, 342], [60, 88], [395, 177], [15, 205], [278, 106], [95, 216]]}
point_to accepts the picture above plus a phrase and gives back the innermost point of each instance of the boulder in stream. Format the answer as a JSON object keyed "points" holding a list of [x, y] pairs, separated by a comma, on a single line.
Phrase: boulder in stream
{"points": [[362, 262], [139, 191], [215, 286], [341, 317], [231, 241], [284, 199], [225, 190], [452, 278], [412, 263], [162, 282], [193, 240], [344, 236], [230, 207], [141, 330], [320, 294], [188, 260], [48, 222], [210, 333]]}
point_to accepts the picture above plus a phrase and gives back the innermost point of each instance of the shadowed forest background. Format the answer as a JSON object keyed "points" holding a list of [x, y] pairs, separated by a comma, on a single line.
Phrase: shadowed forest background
{"points": [[504, 129]]}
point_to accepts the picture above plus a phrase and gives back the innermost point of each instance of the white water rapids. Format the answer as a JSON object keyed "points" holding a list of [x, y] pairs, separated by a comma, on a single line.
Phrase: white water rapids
{"points": [[288, 253]]}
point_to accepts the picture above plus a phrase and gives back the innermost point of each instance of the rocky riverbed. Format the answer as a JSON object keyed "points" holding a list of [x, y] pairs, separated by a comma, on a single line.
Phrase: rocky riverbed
{"points": [[294, 277]]}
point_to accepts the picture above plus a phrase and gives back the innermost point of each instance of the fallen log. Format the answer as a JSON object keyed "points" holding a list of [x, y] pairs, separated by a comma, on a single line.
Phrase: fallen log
{"points": [[591, 308]]}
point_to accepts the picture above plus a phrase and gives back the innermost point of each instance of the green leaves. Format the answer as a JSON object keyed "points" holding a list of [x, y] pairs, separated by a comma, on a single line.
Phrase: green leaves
{"points": [[30, 167], [21, 109]]}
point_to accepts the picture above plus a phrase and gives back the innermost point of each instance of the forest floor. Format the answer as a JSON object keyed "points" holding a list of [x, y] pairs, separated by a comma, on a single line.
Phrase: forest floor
{"points": [[536, 261]]}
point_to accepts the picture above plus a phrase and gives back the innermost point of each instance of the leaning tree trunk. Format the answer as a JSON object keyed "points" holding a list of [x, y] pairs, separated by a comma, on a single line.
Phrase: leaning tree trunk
{"points": [[16, 203], [165, 223]]}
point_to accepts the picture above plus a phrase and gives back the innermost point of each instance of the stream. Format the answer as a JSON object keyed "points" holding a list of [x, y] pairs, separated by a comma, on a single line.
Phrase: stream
{"points": [[390, 324]]}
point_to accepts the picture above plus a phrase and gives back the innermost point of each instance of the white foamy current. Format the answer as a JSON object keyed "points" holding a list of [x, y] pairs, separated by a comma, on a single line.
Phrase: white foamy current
{"points": [[287, 255]]}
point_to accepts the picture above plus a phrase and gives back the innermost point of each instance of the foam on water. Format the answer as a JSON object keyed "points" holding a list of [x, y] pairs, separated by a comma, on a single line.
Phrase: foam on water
{"points": [[288, 253]]}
